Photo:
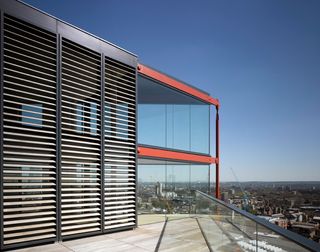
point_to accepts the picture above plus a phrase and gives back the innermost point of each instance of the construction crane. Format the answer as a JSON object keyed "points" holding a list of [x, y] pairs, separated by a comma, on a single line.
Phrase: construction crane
{"points": [[244, 195]]}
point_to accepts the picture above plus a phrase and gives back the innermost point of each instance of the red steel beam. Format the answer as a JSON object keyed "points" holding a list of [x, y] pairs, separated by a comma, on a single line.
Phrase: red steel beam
{"points": [[174, 155], [176, 84], [217, 156]]}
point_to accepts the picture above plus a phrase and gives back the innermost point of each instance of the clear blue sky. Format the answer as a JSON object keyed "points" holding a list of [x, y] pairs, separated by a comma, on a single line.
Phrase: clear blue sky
{"points": [[260, 58]]}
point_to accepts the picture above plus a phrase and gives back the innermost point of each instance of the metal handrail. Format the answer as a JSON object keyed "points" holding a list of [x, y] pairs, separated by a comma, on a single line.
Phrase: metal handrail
{"points": [[296, 238]]}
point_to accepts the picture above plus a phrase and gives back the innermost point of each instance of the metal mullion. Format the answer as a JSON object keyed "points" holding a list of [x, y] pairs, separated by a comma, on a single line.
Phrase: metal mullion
{"points": [[1, 129], [136, 149], [58, 136], [102, 146]]}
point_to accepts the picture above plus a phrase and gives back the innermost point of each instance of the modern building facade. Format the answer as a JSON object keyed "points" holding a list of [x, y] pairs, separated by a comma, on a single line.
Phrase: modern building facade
{"points": [[79, 118]]}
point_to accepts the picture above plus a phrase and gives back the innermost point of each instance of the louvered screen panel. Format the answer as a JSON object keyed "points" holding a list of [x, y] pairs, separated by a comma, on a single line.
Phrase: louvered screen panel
{"points": [[29, 182], [120, 137], [80, 140]]}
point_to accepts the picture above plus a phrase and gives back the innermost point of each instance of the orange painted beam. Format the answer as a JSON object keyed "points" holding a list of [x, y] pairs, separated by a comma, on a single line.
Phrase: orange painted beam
{"points": [[175, 155], [176, 84]]}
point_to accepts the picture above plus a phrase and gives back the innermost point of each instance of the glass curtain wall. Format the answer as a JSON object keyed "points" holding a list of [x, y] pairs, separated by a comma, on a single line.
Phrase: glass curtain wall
{"points": [[170, 119], [166, 190]]}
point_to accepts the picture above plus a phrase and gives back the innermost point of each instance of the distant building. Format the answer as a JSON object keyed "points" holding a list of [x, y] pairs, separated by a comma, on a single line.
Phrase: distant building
{"points": [[159, 189], [225, 196]]}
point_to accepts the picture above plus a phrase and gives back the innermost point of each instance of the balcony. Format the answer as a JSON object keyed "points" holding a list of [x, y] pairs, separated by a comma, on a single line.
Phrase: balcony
{"points": [[210, 225]]}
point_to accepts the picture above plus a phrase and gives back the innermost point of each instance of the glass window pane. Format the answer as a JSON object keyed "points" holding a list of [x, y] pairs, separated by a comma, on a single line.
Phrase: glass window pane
{"points": [[93, 118], [181, 133], [199, 128], [152, 122], [32, 115], [171, 119]]}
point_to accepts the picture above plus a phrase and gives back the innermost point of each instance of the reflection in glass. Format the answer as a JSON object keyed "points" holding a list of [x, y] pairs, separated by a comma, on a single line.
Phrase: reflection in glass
{"points": [[32, 115], [167, 190], [171, 119]]}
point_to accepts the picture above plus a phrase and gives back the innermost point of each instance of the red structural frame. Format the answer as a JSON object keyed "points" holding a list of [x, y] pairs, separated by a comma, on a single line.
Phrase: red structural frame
{"points": [[176, 84], [173, 155]]}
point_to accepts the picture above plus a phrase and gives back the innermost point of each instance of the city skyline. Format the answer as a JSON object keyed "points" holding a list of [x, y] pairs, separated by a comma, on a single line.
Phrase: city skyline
{"points": [[260, 58]]}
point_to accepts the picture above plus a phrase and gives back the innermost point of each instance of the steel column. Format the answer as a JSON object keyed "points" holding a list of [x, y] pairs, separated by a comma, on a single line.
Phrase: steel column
{"points": [[58, 137], [1, 128], [102, 147], [217, 155], [136, 152]]}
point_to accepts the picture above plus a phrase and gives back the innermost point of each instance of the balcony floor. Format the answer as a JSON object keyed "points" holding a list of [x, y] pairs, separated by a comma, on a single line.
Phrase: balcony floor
{"points": [[180, 235], [143, 238]]}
